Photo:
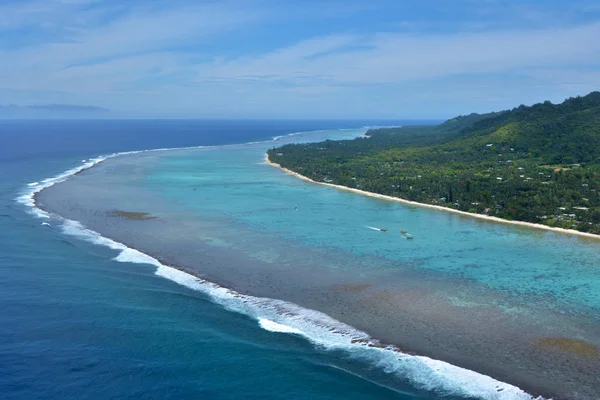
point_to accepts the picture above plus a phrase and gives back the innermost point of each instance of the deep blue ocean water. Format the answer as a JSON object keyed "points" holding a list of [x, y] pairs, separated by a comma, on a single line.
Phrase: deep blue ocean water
{"points": [[76, 324], [83, 316]]}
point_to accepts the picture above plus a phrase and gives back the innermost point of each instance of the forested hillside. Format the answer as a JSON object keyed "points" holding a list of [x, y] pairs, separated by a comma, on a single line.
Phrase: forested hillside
{"points": [[538, 164]]}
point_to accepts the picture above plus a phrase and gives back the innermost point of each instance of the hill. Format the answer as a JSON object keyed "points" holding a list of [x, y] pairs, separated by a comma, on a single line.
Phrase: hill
{"points": [[537, 164]]}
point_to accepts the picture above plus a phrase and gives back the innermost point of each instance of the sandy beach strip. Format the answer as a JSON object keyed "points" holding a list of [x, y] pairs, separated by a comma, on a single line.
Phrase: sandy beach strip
{"points": [[434, 207]]}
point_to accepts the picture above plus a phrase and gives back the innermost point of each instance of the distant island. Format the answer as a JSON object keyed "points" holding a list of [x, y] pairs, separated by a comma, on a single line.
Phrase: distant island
{"points": [[538, 164], [13, 111]]}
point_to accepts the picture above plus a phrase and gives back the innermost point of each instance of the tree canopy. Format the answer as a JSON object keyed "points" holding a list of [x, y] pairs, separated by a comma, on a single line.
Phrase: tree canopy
{"points": [[538, 164]]}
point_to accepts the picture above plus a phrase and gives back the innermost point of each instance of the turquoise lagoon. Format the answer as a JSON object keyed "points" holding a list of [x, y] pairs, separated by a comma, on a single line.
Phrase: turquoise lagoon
{"points": [[308, 260]]}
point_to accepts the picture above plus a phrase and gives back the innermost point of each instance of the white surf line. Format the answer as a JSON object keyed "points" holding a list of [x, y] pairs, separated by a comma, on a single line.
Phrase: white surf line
{"points": [[324, 332], [284, 317], [272, 326], [27, 196]]}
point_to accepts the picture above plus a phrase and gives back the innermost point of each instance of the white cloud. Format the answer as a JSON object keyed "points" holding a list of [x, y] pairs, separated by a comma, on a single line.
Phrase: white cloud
{"points": [[126, 48], [391, 58], [136, 32], [47, 15], [151, 53]]}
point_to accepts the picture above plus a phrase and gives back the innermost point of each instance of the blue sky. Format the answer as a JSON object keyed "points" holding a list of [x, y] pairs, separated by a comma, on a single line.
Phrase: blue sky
{"points": [[297, 59]]}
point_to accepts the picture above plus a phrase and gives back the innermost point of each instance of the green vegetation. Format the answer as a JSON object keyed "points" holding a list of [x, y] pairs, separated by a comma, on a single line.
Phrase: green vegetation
{"points": [[538, 164]]}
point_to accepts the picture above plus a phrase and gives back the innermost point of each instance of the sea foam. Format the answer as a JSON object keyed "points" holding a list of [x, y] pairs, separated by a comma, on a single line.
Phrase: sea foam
{"points": [[283, 317], [271, 326], [27, 196], [323, 331]]}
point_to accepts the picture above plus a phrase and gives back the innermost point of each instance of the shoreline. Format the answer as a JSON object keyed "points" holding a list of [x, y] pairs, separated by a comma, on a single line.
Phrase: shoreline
{"points": [[372, 342], [358, 337], [435, 207], [355, 336]]}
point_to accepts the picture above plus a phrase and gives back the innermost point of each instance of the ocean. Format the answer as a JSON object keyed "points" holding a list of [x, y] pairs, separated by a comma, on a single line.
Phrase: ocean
{"points": [[76, 324], [245, 282]]}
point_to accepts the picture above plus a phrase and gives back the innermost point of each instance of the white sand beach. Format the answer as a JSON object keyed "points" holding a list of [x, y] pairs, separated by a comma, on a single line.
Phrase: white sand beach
{"points": [[435, 207]]}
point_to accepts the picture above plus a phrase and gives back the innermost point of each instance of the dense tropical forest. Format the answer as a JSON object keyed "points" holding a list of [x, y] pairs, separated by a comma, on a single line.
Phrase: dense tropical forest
{"points": [[538, 164]]}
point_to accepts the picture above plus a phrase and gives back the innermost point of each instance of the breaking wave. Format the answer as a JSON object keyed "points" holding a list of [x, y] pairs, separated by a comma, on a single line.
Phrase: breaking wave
{"points": [[283, 317], [323, 331]]}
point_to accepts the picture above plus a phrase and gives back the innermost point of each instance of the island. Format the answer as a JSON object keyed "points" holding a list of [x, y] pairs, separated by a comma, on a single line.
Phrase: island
{"points": [[538, 164]]}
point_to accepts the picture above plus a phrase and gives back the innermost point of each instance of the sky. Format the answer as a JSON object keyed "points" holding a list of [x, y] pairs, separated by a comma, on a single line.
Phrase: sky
{"points": [[297, 59]]}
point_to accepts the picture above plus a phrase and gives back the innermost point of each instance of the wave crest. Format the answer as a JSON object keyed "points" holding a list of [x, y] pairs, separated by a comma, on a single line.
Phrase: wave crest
{"points": [[284, 317], [323, 331]]}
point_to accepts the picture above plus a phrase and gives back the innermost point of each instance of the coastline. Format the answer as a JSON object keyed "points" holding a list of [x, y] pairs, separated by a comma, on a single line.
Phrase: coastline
{"points": [[337, 332], [435, 207], [241, 294]]}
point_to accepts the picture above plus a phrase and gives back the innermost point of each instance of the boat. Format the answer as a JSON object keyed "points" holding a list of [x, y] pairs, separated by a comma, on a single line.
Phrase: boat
{"points": [[409, 236], [383, 229]]}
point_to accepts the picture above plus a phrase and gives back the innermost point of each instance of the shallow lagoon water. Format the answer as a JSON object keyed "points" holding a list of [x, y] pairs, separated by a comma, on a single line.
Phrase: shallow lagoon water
{"points": [[502, 257], [76, 323], [474, 293]]}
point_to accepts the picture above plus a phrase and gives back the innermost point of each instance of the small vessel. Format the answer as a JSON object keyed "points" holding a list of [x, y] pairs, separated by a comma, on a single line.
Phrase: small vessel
{"points": [[383, 229], [403, 232], [409, 236]]}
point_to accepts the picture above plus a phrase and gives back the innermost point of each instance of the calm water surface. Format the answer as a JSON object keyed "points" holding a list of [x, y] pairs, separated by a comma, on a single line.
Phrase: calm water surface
{"points": [[75, 323], [460, 289]]}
